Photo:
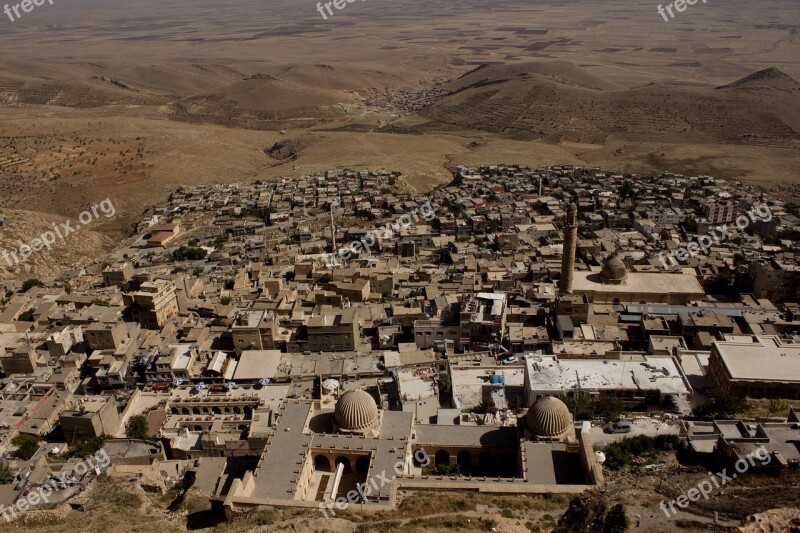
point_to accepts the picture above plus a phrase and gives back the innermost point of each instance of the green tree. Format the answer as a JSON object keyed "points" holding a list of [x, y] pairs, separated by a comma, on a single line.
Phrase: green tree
{"points": [[447, 470], [621, 453], [89, 447], [580, 405], [191, 253], [609, 408], [722, 404], [27, 445], [136, 427], [28, 284], [443, 256], [445, 385]]}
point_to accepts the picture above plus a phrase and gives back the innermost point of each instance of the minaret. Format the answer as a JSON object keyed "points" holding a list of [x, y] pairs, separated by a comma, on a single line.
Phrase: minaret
{"points": [[570, 245], [333, 232]]}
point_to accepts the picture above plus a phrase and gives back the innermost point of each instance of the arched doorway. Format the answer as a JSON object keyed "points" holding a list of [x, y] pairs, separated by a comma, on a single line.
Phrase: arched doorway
{"points": [[485, 463], [362, 465], [346, 462], [322, 463], [464, 460], [442, 457], [508, 465]]}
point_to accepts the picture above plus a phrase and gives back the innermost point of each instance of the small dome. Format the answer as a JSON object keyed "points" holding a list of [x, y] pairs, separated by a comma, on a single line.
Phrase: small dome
{"points": [[614, 270], [356, 411], [549, 418]]}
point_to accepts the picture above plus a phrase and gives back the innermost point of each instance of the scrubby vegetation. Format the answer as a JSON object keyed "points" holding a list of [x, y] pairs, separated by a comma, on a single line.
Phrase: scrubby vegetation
{"points": [[622, 453], [721, 404], [190, 253], [27, 445], [136, 427], [584, 407]]}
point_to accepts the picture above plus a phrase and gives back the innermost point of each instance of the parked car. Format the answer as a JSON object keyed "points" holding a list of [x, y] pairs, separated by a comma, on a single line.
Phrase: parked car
{"points": [[620, 426], [510, 360]]}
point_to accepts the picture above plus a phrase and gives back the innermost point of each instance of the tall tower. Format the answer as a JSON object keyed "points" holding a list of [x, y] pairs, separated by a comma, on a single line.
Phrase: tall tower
{"points": [[333, 231], [570, 245]]}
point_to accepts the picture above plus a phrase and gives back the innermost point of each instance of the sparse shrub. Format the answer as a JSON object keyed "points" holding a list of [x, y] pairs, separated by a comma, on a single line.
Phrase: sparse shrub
{"points": [[28, 284]]}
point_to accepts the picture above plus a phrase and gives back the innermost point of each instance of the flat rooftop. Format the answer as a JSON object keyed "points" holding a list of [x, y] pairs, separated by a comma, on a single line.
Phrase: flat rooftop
{"points": [[766, 359], [638, 283], [548, 374], [257, 364], [471, 385]]}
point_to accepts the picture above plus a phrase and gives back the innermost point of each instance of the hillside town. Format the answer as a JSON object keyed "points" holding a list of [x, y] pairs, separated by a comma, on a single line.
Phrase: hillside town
{"points": [[289, 342]]}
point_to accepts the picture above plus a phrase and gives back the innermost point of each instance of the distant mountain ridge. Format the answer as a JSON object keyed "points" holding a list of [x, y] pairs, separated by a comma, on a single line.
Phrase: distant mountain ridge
{"points": [[771, 78]]}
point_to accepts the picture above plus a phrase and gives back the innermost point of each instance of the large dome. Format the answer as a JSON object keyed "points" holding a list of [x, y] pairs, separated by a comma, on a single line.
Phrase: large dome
{"points": [[614, 271], [549, 418], [356, 411]]}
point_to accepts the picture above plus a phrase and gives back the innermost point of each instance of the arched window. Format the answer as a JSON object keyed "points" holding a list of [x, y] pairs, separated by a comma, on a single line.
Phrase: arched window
{"points": [[442, 458], [346, 462], [362, 465], [464, 460], [322, 463]]}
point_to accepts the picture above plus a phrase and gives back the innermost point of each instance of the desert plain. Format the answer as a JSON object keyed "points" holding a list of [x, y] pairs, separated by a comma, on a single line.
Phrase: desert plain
{"points": [[131, 100]]}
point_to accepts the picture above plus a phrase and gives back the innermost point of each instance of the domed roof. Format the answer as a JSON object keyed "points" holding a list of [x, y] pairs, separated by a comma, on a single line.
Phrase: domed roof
{"points": [[549, 418], [356, 411], [614, 270]]}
